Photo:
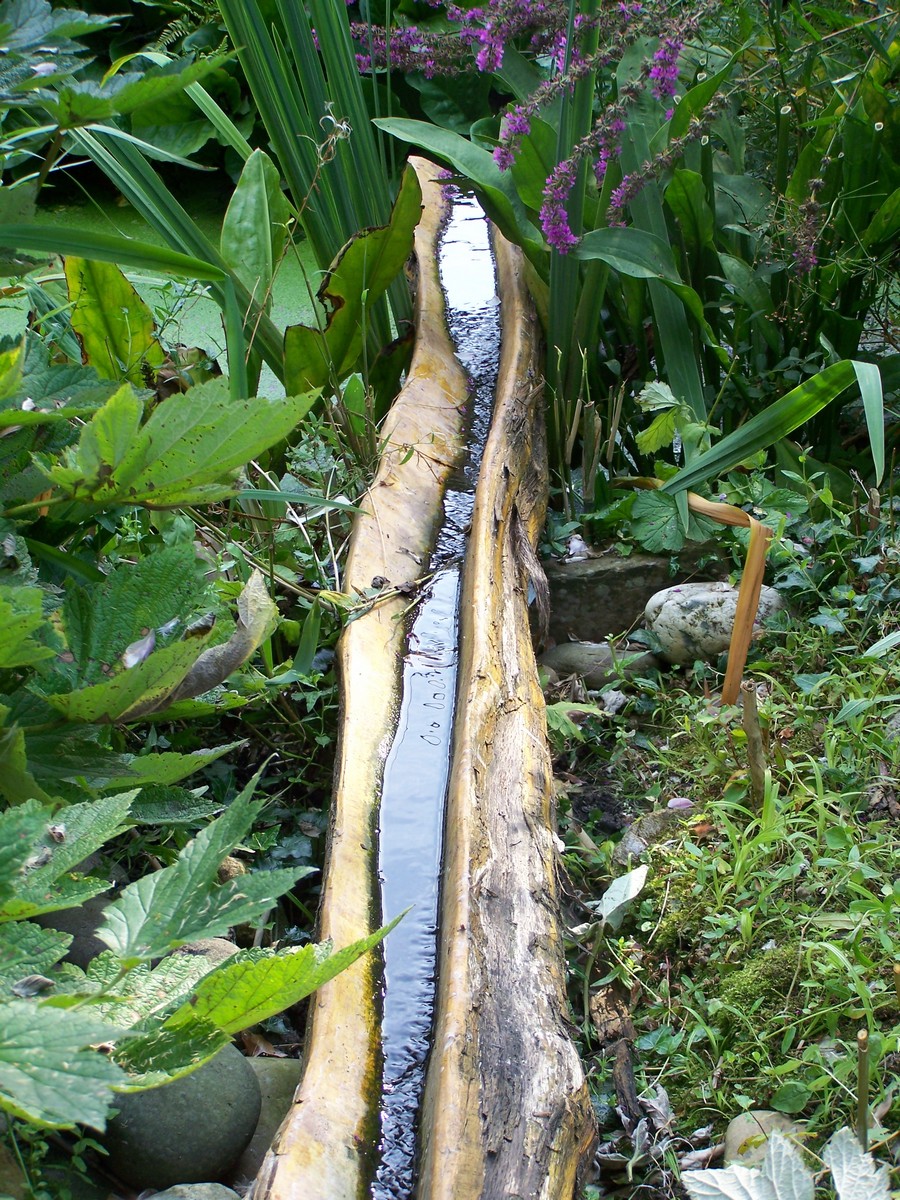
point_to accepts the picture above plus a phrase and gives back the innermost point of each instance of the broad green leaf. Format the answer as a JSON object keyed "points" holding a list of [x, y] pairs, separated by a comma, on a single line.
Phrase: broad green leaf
{"points": [[856, 1177], [869, 379], [686, 197], [257, 984], [17, 783], [164, 805], [167, 767], [184, 901], [254, 231], [766, 428], [201, 441], [144, 995], [104, 443], [19, 829], [21, 616], [495, 188], [105, 247], [657, 524], [12, 361], [661, 432], [695, 100], [100, 620], [114, 325], [68, 838], [146, 683], [534, 163], [26, 949], [69, 892], [84, 103], [257, 618], [49, 1072], [631, 251], [158, 1056], [364, 270], [885, 225]]}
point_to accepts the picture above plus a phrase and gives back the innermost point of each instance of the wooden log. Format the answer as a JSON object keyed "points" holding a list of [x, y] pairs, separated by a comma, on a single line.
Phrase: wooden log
{"points": [[324, 1148], [506, 1111]]}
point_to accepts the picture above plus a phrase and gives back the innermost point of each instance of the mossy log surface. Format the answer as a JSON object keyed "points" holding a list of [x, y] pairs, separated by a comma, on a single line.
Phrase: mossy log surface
{"points": [[507, 1112], [323, 1150]]}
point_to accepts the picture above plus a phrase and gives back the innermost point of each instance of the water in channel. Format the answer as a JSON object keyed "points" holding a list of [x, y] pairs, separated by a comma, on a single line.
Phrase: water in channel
{"points": [[417, 767]]}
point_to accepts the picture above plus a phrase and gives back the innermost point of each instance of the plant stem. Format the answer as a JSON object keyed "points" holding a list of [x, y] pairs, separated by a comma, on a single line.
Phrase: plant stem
{"points": [[862, 1089], [755, 754]]}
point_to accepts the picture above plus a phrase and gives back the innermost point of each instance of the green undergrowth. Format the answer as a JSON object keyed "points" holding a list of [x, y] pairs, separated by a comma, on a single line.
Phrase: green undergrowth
{"points": [[766, 935]]}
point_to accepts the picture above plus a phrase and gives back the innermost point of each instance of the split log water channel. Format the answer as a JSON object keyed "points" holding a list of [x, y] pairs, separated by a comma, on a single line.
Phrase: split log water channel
{"points": [[444, 1070]]}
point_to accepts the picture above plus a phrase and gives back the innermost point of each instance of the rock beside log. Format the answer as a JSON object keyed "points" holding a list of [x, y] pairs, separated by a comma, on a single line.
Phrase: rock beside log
{"points": [[694, 620]]}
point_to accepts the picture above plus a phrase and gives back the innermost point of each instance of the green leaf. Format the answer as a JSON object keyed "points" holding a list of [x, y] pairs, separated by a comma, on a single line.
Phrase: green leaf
{"points": [[657, 525], [254, 230], [632, 252], [12, 361], [869, 379], [114, 325], [21, 616], [257, 984], [168, 767], [143, 996], [19, 828], [661, 432], [364, 270], [147, 683], [183, 902], [17, 784], [26, 949], [105, 247], [791, 1097], [105, 442], [160, 1055], [885, 225], [496, 189], [164, 805], [188, 449], [49, 1072], [686, 197], [767, 427]]}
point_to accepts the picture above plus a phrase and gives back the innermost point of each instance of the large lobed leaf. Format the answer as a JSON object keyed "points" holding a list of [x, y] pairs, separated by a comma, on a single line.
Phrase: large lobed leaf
{"points": [[183, 902], [49, 1072], [189, 452]]}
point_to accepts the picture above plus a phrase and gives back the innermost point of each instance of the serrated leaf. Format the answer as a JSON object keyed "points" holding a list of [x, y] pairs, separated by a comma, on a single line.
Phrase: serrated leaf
{"points": [[49, 1073], [85, 470], [856, 1177], [183, 902], [19, 829], [168, 767], [144, 994], [113, 323], [27, 949], [257, 984], [21, 616], [102, 619], [161, 1055], [65, 893], [114, 699], [661, 431], [257, 617], [160, 805]]}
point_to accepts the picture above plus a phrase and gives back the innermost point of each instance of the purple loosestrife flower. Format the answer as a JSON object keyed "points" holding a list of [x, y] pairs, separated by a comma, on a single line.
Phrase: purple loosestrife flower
{"points": [[664, 71], [554, 218]]}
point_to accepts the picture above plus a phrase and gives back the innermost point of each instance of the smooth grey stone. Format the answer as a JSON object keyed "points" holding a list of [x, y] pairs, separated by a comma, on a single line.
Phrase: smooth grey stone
{"points": [[694, 620], [215, 950], [595, 662], [649, 830], [197, 1191], [189, 1131], [278, 1080], [748, 1133], [594, 598]]}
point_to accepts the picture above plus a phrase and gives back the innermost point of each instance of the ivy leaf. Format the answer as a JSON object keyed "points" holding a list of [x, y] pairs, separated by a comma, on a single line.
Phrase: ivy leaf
{"points": [[254, 985], [183, 902], [49, 1072]]}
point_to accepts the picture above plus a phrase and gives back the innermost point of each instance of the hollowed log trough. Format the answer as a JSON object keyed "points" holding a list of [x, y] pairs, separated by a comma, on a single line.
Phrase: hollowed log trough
{"points": [[506, 1111]]}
